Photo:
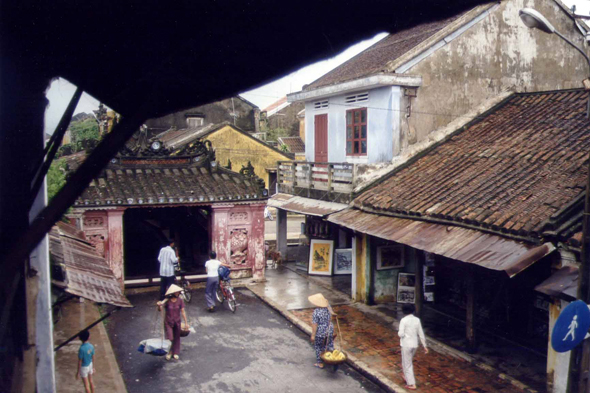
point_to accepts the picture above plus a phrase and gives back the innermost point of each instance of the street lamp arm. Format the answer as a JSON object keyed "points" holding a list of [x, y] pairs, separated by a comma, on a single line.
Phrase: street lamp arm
{"points": [[575, 47]]}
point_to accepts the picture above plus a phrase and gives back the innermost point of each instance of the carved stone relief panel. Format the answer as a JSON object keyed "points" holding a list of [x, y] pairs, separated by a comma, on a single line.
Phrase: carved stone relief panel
{"points": [[94, 222], [238, 216], [239, 246], [97, 240]]}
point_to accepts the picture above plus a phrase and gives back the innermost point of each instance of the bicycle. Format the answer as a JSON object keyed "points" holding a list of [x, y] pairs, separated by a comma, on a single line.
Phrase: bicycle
{"points": [[186, 286], [225, 291]]}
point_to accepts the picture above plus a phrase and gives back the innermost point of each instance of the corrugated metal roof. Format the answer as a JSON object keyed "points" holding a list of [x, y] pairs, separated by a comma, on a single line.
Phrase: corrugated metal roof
{"points": [[87, 274], [467, 245], [312, 207], [563, 283]]}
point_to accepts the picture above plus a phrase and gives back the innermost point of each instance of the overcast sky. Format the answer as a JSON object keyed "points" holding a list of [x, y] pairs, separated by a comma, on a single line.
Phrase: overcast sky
{"points": [[61, 91]]}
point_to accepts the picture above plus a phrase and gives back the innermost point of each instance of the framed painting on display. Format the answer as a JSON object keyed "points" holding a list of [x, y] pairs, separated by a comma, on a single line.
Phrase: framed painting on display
{"points": [[406, 290], [390, 257], [320, 257], [343, 261]]}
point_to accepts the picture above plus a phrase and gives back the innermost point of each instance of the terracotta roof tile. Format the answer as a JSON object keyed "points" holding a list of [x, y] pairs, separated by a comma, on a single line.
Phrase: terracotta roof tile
{"points": [[375, 58], [511, 171], [275, 104], [294, 143]]}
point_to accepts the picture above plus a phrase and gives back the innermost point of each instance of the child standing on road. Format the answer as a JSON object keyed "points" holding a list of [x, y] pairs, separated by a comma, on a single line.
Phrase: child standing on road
{"points": [[85, 365]]}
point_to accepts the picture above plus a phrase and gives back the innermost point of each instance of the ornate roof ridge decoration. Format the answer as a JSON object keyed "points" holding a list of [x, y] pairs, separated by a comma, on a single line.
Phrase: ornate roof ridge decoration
{"points": [[144, 147], [248, 172], [197, 148]]}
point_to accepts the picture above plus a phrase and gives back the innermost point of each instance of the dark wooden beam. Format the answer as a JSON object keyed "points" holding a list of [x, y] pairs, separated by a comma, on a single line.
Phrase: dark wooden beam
{"points": [[419, 282], [470, 317]]}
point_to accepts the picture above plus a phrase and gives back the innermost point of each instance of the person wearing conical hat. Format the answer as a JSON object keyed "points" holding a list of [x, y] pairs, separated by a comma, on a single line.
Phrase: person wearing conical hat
{"points": [[322, 333], [174, 307]]}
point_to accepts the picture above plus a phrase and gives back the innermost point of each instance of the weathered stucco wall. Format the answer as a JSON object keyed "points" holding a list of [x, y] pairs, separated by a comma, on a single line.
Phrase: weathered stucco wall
{"points": [[497, 54], [247, 116], [239, 148]]}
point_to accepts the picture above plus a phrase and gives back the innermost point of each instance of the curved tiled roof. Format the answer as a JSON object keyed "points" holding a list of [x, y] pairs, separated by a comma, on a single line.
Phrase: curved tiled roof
{"points": [[165, 180], [520, 169]]}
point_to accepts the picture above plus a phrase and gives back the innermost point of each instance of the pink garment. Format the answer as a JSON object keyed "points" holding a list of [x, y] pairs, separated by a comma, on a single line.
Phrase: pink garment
{"points": [[172, 324]]}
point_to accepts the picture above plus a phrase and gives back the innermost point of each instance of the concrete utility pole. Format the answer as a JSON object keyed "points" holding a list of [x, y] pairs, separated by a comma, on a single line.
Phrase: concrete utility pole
{"points": [[579, 367]]}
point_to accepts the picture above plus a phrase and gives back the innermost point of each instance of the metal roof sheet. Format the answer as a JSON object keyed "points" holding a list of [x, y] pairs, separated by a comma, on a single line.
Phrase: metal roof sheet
{"points": [[563, 283], [466, 245], [312, 207], [87, 274]]}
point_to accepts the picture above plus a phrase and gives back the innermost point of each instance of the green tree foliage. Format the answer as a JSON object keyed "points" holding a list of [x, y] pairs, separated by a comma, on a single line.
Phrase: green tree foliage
{"points": [[285, 148], [82, 132], [274, 134], [56, 178]]}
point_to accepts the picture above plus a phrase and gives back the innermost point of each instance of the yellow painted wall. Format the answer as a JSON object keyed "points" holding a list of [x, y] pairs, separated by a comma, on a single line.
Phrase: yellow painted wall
{"points": [[239, 148], [361, 263], [302, 129]]}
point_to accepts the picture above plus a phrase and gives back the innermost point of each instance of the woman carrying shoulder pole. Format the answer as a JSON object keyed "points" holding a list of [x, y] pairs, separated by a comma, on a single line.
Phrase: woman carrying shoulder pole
{"points": [[174, 307], [322, 329]]}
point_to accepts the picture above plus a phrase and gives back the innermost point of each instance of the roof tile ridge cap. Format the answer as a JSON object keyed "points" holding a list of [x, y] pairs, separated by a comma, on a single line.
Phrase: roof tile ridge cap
{"points": [[434, 138], [436, 37]]}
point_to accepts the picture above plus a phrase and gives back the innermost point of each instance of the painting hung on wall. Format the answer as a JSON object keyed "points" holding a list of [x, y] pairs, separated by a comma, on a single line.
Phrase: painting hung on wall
{"points": [[343, 261], [405, 295], [320, 257], [406, 291], [390, 257]]}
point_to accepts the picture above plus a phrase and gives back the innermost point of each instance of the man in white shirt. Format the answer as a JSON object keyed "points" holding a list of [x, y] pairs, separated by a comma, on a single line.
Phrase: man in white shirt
{"points": [[410, 329], [212, 266], [168, 259]]}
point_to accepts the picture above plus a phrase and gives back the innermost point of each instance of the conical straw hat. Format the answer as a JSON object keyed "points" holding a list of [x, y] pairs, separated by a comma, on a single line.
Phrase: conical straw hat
{"points": [[318, 300], [173, 289]]}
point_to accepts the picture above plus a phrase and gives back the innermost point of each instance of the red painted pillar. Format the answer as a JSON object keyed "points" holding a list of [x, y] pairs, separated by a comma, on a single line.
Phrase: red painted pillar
{"points": [[114, 254], [256, 243], [219, 234]]}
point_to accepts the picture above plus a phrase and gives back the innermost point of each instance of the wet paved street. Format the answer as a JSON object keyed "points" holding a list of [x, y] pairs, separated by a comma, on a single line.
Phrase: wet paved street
{"points": [[253, 350], [376, 343]]}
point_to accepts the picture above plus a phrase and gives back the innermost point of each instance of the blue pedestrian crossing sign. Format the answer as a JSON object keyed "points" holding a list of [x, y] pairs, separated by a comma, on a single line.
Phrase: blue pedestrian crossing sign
{"points": [[571, 327]]}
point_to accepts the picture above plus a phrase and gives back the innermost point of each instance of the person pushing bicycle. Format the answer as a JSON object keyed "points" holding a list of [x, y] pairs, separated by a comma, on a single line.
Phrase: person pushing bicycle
{"points": [[212, 266]]}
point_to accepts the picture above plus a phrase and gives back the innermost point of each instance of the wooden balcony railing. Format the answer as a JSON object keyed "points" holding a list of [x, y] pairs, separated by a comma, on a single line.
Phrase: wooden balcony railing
{"points": [[328, 181]]}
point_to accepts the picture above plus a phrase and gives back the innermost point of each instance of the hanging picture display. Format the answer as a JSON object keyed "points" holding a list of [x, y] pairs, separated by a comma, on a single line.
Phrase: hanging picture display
{"points": [[428, 274], [343, 261], [320, 257], [406, 289], [390, 257]]}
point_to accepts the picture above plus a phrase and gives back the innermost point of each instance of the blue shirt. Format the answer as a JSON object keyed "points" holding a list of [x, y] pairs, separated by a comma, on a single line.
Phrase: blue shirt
{"points": [[167, 259], [85, 353]]}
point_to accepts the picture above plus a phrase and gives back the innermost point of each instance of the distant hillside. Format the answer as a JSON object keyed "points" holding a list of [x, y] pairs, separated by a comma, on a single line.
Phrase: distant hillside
{"points": [[82, 116]]}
